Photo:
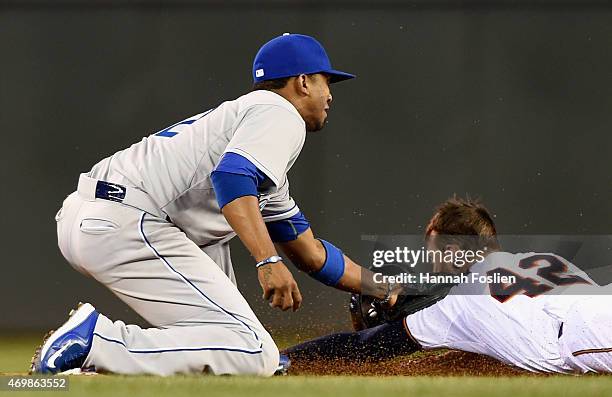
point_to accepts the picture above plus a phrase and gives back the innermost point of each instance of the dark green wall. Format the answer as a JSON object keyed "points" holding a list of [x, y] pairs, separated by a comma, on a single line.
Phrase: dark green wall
{"points": [[507, 101]]}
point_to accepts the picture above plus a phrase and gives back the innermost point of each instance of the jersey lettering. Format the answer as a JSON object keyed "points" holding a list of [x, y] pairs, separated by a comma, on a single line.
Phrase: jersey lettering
{"points": [[553, 271], [168, 133], [529, 286]]}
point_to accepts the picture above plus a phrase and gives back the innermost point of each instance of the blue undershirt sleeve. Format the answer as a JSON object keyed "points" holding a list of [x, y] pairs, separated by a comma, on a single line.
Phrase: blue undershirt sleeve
{"points": [[288, 229], [228, 187], [235, 177]]}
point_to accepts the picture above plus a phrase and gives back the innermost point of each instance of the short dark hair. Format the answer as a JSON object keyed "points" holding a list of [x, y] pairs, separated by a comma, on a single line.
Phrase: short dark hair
{"points": [[268, 85], [464, 217]]}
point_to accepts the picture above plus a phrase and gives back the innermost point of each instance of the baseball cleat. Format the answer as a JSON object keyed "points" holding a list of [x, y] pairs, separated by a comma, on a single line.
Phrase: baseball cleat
{"points": [[283, 365], [68, 346]]}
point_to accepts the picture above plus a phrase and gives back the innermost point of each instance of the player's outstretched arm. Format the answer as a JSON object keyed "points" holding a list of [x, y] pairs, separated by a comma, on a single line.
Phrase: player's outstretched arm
{"points": [[326, 263], [276, 280]]}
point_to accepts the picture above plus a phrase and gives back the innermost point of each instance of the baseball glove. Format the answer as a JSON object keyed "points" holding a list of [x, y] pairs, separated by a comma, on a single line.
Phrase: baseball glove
{"points": [[367, 312]]}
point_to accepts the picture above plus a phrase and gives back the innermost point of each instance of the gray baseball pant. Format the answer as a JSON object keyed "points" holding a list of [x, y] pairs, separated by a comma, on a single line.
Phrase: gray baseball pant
{"points": [[202, 324]]}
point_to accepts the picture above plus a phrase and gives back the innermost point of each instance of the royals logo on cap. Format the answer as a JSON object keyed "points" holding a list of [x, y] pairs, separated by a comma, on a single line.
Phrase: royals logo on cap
{"points": [[291, 55]]}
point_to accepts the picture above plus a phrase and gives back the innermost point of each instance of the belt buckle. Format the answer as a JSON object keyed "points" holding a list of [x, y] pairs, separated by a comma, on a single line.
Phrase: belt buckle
{"points": [[110, 191]]}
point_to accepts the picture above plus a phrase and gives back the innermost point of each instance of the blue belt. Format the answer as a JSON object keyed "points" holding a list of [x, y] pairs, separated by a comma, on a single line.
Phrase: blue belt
{"points": [[110, 191], [91, 189]]}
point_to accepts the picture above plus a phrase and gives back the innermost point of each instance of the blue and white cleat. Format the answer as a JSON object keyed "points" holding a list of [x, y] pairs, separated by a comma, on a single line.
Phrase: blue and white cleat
{"points": [[283, 365], [68, 346]]}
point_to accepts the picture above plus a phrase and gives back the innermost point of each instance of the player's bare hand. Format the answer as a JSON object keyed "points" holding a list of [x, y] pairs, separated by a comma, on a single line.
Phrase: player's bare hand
{"points": [[279, 287], [394, 292], [393, 298]]}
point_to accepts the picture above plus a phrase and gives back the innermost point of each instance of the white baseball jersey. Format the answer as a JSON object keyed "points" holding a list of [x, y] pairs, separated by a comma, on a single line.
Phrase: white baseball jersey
{"points": [[174, 165], [520, 323], [201, 322]]}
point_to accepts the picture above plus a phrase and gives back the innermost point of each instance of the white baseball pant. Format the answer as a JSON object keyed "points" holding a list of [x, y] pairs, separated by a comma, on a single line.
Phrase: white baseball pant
{"points": [[587, 335], [202, 324]]}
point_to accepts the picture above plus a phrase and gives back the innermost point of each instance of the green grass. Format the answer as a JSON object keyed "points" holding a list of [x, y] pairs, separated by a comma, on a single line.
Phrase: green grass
{"points": [[15, 352]]}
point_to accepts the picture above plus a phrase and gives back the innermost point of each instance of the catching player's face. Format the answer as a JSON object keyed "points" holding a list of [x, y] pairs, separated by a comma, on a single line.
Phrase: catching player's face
{"points": [[317, 104]]}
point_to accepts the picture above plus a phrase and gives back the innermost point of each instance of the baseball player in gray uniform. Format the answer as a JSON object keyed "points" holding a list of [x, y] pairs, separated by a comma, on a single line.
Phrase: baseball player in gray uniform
{"points": [[152, 223]]}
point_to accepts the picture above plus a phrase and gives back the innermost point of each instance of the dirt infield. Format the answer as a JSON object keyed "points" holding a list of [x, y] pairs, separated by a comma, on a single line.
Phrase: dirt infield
{"points": [[446, 363]]}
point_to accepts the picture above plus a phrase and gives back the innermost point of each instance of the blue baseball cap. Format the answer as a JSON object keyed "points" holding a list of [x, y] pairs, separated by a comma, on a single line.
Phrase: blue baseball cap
{"points": [[291, 55]]}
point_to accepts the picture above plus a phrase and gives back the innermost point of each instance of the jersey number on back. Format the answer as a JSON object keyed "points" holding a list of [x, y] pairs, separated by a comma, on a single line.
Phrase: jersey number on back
{"points": [[552, 273], [169, 133]]}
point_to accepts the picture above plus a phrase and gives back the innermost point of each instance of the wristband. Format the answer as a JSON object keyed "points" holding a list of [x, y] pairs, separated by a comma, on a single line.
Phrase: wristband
{"points": [[272, 259], [333, 268]]}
